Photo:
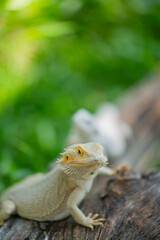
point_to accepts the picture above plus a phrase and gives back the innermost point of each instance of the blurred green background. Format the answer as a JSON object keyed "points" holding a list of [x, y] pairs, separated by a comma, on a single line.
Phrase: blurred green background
{"points": [[58, 56]]}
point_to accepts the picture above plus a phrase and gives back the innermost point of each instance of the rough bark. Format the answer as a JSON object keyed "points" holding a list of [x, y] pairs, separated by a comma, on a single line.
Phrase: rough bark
{"points": [[130, 202]]}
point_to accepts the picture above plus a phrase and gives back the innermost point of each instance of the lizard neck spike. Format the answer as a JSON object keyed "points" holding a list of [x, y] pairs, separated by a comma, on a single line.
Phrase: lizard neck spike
{"points": [[69, 170]]}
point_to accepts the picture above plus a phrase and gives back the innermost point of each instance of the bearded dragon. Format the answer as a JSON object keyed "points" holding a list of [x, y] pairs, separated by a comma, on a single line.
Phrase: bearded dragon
{"points": [[55, 195]]}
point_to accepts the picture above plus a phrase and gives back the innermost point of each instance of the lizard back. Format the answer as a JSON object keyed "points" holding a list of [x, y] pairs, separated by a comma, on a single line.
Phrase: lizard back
{"points": [[39, 196]]}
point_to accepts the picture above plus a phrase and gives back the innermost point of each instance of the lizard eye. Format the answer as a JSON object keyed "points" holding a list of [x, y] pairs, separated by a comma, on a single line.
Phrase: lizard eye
{"points": [[80, 151], [66, 157]]}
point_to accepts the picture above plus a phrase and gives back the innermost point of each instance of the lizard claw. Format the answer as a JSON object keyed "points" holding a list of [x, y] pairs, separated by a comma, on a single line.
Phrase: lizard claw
{"points": [[92, 221]]}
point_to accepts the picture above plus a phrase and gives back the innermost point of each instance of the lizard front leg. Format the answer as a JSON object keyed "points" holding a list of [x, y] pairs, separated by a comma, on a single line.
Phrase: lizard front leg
{"points": [[87, 221], [106, 171], [8, 208], [124, 170]]}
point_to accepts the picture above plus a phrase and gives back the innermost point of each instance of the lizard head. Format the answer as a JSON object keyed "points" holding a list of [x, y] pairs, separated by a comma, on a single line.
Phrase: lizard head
{"points": [[82, 159]]}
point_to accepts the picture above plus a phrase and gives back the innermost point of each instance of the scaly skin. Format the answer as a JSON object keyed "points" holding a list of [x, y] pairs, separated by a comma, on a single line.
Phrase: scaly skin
{"points": [[56, 195]]}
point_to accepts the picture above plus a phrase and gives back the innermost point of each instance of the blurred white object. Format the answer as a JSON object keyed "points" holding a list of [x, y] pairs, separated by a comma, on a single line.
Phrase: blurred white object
{"points": [[105, 127], [114, 132]]}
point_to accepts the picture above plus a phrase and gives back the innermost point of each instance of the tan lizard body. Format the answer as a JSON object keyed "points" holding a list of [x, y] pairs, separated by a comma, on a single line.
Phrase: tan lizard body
{"points": [[56, 195]]}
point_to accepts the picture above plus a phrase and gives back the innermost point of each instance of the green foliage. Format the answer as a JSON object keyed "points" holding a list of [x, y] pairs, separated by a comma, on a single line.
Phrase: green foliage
{"points": [[58, 56]]}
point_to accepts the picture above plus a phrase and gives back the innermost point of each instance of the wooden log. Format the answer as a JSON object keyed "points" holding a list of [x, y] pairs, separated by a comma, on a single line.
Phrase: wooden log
{"points": [[130, 202]]}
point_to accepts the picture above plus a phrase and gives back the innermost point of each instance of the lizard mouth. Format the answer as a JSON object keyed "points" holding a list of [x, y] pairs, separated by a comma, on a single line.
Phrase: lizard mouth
{"points": [[102, 161], [75, 165], [79, 167]]}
